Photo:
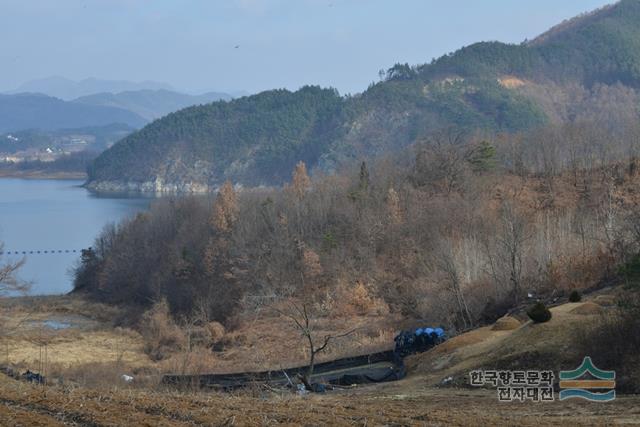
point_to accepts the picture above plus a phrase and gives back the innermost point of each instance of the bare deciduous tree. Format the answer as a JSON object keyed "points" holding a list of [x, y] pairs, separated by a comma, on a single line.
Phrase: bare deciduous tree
{"points": [[9, 282], [445, 262], [511, 243], [442, 160], [299, 314], [394, 211]]}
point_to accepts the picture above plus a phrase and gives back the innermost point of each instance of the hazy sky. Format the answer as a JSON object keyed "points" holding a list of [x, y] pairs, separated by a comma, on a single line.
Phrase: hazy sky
{"points": [[190, 44]]}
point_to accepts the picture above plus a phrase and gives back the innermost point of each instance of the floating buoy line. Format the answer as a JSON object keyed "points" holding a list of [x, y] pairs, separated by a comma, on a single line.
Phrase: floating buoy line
{"points": [[42, 252]]}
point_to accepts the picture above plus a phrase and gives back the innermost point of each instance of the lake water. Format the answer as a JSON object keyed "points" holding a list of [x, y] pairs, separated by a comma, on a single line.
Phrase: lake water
{"points": [[51, 215]]}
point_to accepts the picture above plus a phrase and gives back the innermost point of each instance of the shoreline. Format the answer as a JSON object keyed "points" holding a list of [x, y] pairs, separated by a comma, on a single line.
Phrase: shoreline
{"points": [[157, 187], [70, 176]]}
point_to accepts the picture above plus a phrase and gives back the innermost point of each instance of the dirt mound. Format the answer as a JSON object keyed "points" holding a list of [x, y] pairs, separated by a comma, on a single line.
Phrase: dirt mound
{"points": [[466, 339], [588, 308], [506, 323], [508, 344]]}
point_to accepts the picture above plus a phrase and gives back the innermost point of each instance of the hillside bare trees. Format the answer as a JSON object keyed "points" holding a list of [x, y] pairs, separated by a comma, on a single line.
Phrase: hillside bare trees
{"points": [[455, 232]]}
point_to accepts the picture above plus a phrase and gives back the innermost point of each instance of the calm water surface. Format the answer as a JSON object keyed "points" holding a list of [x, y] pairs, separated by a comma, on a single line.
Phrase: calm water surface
{"points": [[39, 215]]}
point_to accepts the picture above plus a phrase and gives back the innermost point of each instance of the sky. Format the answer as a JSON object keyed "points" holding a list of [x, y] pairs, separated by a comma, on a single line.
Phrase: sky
{"points": [[254, 45]]}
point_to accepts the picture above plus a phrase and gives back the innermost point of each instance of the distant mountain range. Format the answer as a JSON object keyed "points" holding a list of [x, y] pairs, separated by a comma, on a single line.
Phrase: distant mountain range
{"points": [[35, 111], [51, 104], [585, 69], [151, 104], [66, 89]]}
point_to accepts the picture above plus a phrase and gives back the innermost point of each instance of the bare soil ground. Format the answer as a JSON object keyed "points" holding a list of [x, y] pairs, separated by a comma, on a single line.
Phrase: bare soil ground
{"points": [[24, 404]]}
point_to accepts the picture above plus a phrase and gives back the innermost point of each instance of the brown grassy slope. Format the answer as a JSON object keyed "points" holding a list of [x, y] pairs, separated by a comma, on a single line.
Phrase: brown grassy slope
{"points": [[550, 345]]}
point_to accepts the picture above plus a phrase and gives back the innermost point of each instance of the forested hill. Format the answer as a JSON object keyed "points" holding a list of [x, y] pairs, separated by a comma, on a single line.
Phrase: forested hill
{"points": [[252, 139], [585, 69], [598, 47]]}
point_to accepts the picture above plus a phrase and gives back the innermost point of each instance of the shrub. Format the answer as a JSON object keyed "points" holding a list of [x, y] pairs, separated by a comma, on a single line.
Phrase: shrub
{"points": [[161, 334], [359, 300], [216, 331], [575, 296], [539, 313]]}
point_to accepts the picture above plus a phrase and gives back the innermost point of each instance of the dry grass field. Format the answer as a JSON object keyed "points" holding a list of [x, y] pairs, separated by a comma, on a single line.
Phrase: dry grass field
{"points": [[90, 357], [63, 335], [399, 404]]}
